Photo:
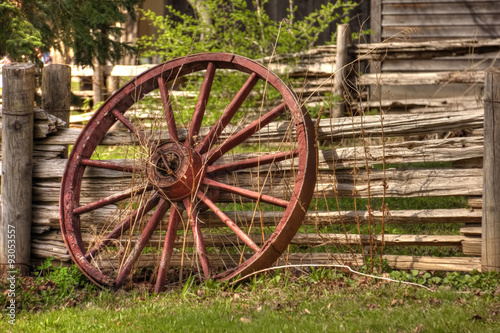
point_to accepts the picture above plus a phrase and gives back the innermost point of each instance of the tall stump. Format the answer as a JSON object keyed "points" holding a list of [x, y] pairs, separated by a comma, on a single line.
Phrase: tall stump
{"points": [[17, 165]]}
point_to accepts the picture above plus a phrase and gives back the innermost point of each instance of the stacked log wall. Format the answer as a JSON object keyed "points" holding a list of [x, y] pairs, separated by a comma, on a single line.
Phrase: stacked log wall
{"points": [[426, 132]]}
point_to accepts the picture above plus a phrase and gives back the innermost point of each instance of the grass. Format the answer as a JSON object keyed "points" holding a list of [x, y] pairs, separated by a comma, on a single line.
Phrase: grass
{"points": [[321, 300]]}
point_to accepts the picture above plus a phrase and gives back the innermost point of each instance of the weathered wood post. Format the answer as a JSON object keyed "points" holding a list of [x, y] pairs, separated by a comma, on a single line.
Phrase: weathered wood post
{"points": [[17, 164], [56, 90], [341, 60], [490, 248]]}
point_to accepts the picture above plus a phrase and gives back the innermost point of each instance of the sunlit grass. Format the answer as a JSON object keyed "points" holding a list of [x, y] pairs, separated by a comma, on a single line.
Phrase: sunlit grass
{"points": [[278, 303]]}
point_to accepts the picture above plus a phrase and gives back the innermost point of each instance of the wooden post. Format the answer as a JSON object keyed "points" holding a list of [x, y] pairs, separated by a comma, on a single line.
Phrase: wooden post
{"points": [[341, 60], [56, 93], [376, 21], [490, 249], [56, 90], [17, 165]]}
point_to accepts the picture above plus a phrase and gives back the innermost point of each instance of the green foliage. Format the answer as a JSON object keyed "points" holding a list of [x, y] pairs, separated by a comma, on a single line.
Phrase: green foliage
{"points": [[236, 28], [320, 301], [87, 27], [53, 285], [486, 282], [18, 37], [67, 278]]}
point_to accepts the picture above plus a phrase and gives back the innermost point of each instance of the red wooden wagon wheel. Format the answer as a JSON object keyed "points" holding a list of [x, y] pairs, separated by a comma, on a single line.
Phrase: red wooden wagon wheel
{"points": [[222, 189]]}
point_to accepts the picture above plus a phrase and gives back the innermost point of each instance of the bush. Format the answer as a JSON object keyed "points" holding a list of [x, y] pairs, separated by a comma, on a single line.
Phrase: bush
{"points": [[235, 28]]}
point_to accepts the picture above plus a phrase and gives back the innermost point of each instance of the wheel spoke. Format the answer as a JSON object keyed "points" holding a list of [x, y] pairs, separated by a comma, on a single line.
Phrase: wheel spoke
{"points": [[198, 237], [129, 125], [201, 105], [114, 198], [147, 232], [253, 162], [123, 226], [167, 107], [112, 166], [227, 115], [168, 247], [240, 233], [246, 193], [245, 133]]}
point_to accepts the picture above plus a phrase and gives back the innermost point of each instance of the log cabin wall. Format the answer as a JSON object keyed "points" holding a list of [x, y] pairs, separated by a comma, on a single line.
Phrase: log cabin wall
{"points": [[421, 21], [424, 20]]}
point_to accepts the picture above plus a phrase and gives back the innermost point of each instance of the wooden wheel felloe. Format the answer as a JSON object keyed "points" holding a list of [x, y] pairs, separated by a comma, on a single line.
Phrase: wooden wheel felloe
{"points": [[218, 186]]}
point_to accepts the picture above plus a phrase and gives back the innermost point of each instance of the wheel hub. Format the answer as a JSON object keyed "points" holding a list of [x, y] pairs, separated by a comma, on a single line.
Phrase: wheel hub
{"points": [[175, 171]]}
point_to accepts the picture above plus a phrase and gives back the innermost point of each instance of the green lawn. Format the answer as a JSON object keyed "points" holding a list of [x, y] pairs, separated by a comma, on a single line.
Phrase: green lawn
{"points": [[315, 302]]}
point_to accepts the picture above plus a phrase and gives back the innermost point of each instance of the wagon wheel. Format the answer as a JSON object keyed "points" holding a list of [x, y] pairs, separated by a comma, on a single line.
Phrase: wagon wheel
{"points": [[221, 189]]}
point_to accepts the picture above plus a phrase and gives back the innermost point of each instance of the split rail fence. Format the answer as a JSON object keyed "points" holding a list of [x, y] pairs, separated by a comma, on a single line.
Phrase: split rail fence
{"points": [[438, 130]]}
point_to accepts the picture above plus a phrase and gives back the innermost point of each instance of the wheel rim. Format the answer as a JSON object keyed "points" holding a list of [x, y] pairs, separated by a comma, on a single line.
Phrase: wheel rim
{"points": [[175, 169]]}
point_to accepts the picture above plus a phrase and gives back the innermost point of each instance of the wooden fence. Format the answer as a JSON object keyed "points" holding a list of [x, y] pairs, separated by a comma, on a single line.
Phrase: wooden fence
{"points": [[447, 131], [335, 179]]}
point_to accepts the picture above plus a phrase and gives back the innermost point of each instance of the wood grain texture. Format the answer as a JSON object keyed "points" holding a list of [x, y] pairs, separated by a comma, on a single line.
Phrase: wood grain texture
{"points": [[56, 91], [17, 165], [490, 256], [341, 70], [328, 129]]}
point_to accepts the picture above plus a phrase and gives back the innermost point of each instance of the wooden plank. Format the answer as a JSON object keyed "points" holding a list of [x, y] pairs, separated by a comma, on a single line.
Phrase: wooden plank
{"points": [[48, 215], [440, 8], [442, 150], [391, 183], [439, 78], [399, 183], [438, 64], [326, 239], [424, 49], [471, 230], [47, 152], [54, 240], [464, 103], [453, 149], [475, 202], [431, 19], [472, 246], [328, 129], [44, 123], [463, 264], [448, 32], [449, 91]]}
